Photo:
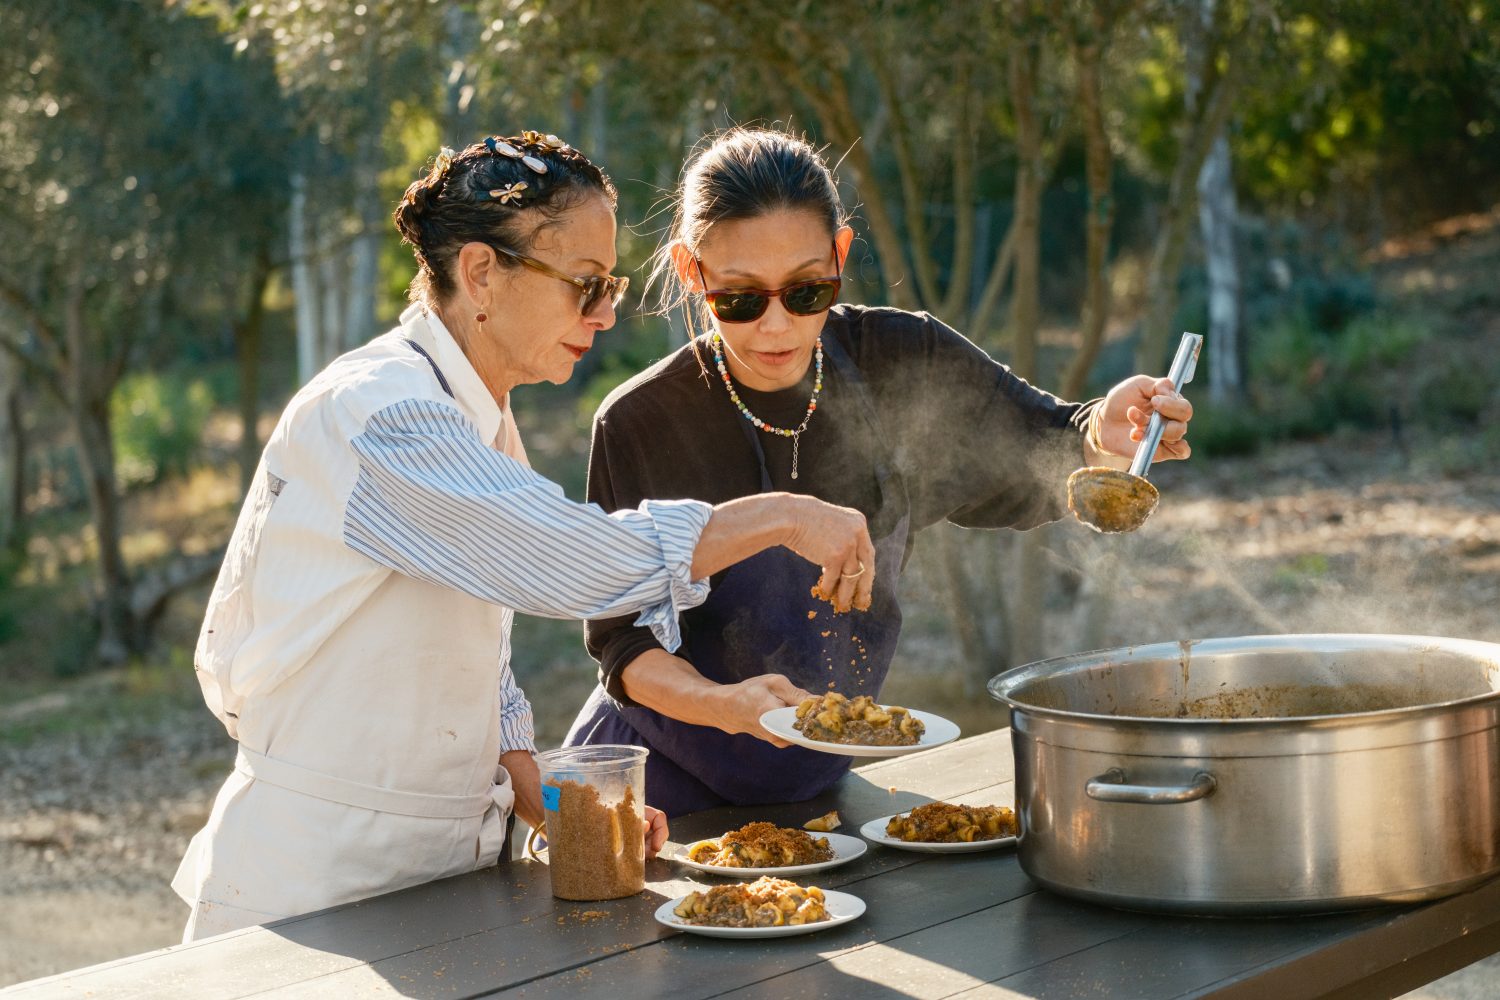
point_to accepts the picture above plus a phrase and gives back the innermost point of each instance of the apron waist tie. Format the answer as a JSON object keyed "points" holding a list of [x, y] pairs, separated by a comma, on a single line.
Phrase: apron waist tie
{"points": [[352, 793]]}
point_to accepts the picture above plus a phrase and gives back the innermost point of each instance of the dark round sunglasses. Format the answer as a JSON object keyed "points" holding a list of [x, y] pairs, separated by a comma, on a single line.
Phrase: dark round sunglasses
{"points": [[593, 289], [745, 305]]}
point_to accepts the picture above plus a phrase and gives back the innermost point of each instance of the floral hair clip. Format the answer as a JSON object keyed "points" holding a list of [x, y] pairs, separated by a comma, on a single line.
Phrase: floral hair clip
{"points": [[548, 141], [535, 164], [509, 193]]}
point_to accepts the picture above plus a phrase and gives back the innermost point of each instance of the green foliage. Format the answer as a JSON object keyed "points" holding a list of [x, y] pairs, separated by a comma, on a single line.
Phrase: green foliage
{"points": [[1225, 431], [157, 422], [1455, 395], [1309, 380], [614, 369], [1369, 100], [10, 565], [1462, 454]]}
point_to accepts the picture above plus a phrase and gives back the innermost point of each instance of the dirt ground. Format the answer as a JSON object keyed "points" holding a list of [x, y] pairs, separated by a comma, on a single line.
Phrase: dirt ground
{"points": [[1343, 536]]}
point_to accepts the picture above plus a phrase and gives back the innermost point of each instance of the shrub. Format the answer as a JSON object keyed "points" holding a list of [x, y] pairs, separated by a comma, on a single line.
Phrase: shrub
{"points": [[1380, 340], [1309, 380], [1225, 431], [158, 422], [1455, 396]]}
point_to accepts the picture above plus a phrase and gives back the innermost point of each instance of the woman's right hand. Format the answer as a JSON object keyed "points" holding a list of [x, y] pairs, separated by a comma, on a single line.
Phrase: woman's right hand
{"points": [[837, 540], [833, 538], [742, 704]]}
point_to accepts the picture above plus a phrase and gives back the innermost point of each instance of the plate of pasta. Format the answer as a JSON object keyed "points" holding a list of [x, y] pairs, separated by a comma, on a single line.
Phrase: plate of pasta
{"points": [[767, 849], [858, 727], [945, 828], [767, 907]]}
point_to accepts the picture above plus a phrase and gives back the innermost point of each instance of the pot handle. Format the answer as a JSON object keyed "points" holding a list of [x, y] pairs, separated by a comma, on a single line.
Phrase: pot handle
{"points": [[1112, 787]]}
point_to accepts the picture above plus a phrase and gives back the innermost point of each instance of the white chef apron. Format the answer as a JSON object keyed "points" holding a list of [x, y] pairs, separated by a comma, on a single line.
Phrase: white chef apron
{"points": [[374, 764], [371, 769]]}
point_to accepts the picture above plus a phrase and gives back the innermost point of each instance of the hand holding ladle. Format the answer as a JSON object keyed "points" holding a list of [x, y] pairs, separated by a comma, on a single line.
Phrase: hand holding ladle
{"points": [[1110, 500]]}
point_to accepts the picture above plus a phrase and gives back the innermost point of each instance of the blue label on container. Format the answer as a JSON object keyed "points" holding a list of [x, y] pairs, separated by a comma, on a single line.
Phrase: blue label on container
{"points": [[550, 795]]}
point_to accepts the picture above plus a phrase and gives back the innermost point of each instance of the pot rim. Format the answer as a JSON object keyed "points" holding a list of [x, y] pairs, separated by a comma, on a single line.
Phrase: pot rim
{"points": [[1480, 650]]}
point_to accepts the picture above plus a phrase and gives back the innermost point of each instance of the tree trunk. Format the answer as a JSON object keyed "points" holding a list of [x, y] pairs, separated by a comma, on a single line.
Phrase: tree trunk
{"points": [[1210, 95], [596, 124], [12, 454], [1099, 170], [982, 317], [965, 158], [1025, 302], [364, 267], [333, 285], [1031, 575], [89, 381], [1217, 215], [966, 605], [460, 29], [247, 341], [1025, 317], [843, 125], [96, 454], [304, 283], [364, 254]]}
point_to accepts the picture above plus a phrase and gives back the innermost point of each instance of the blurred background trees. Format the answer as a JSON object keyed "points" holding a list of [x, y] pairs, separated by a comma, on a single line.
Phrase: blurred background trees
{"points": [[198, 196]]}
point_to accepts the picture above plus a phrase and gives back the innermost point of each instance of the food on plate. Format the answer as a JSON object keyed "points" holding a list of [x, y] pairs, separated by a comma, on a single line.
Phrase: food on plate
{"points": [[945, 823], [762, 845], [766, 902], [833, 718], [826, 823]]}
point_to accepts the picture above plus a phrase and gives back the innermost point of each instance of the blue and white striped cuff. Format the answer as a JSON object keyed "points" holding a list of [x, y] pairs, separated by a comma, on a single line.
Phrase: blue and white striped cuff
{"points": [[679, 524]]}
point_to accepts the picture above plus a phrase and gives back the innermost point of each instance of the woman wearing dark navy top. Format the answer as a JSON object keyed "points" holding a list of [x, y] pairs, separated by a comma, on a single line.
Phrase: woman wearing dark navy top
{"points": [[882, 410]]}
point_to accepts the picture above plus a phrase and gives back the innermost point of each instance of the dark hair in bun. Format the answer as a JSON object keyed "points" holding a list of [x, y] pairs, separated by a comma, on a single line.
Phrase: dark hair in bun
{"points": [[491, 192]]}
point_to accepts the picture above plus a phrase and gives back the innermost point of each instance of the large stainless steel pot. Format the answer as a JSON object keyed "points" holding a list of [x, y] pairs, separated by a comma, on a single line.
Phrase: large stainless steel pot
{"points": [[1263, 774]]}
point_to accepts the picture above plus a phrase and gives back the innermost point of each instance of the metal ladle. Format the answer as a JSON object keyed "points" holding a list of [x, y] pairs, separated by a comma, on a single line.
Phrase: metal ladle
{"points": [[1109, 500]]}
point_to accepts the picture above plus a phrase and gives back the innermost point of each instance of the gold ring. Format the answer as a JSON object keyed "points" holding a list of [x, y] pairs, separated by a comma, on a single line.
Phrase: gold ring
{"points": [[851, 576]]}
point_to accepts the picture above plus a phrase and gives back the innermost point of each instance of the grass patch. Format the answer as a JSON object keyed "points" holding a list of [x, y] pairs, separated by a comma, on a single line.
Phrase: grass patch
{"points": [[138, 698]]}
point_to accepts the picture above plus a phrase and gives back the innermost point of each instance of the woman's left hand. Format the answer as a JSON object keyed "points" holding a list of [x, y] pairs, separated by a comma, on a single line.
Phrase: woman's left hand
{"points": [[655, 830], [1126, 410], [526, 782]]}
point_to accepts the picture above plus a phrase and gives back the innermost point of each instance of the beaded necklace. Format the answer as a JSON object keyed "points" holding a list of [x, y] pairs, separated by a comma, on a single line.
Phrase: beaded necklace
{"points": [[812, 404]]}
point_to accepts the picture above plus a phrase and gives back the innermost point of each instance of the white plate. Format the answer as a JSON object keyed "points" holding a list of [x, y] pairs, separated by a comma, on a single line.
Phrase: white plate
{"points": [[939, 730], [845, 848], [841, 908], [875, 831]]}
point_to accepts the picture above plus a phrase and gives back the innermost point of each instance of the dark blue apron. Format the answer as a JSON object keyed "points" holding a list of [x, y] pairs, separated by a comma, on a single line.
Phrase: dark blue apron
{"points": [[762, 618]]}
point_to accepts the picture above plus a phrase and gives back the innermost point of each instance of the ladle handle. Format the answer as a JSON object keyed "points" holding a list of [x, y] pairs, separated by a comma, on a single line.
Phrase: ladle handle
{"points": [[1181, 374]]}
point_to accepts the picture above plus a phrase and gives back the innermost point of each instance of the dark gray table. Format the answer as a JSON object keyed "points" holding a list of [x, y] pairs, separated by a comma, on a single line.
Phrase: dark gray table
{"points": [[937, 926]]}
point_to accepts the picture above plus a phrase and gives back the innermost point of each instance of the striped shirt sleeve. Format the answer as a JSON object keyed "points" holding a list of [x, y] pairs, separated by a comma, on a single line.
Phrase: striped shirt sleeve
{"points": [[516, 730], [435, 503]]}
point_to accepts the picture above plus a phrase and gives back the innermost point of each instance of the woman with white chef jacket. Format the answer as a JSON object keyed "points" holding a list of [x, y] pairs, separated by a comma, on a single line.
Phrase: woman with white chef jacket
{"points": [[357, 641]]}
